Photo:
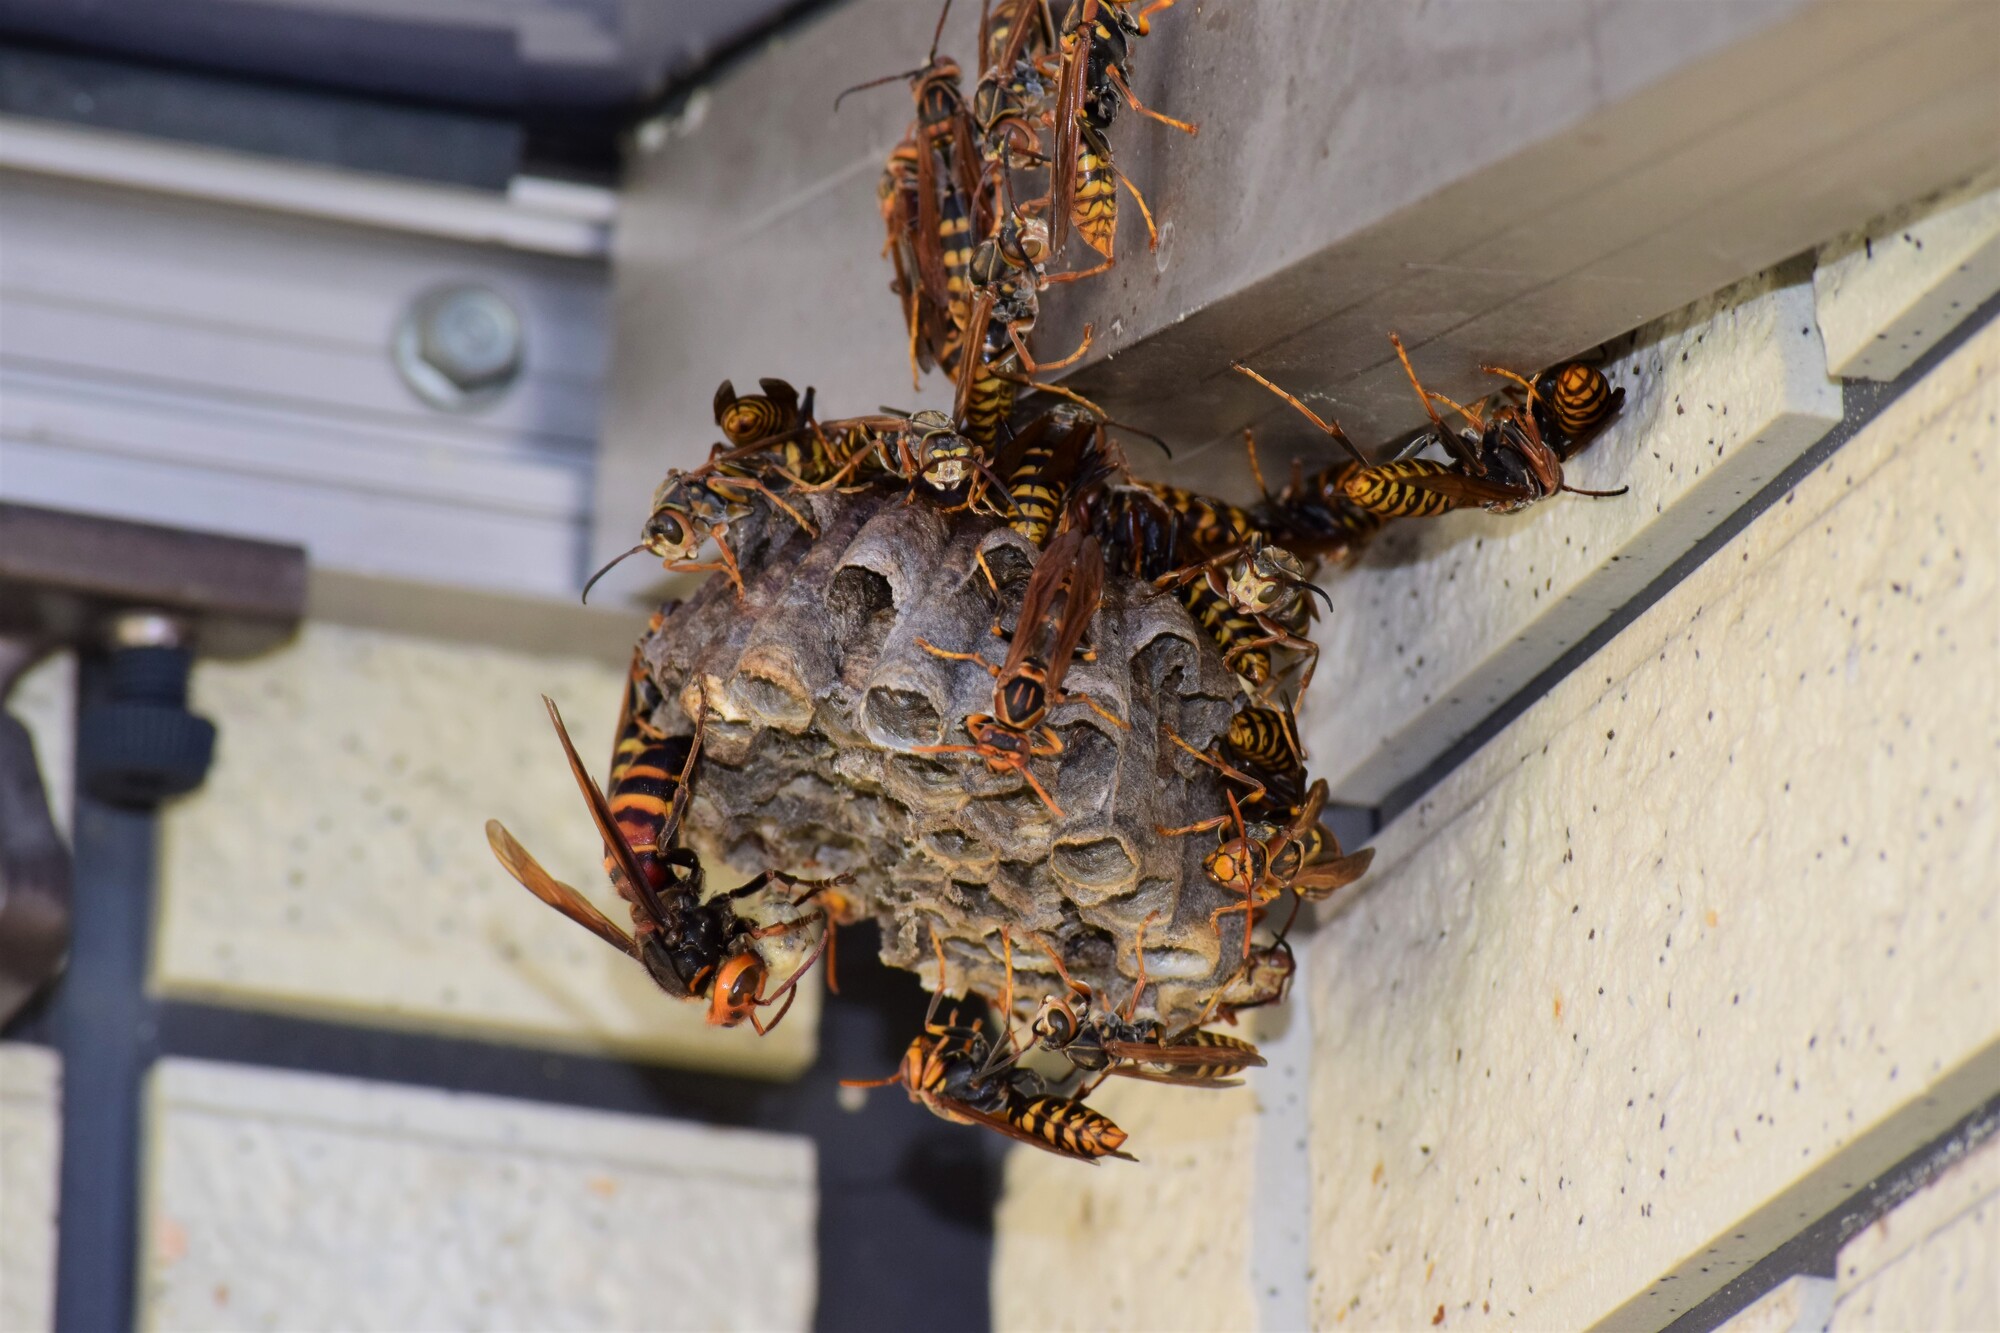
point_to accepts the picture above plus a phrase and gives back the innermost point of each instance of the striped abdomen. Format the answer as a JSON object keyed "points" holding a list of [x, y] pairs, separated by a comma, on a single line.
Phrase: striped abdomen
{"points": [[1037, 501], [990, 402], [1068, 1126], [645, 774], [1094, 208], [1229, 628], [1578, 398], [1203, 525], [1386, 489], [956, 241]]}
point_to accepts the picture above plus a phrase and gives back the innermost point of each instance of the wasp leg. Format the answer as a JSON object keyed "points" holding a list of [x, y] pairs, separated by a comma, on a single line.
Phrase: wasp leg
{"points": [[1257, 790], [1125, 91], [1329, 428], [1032, 366], [948, 654]]}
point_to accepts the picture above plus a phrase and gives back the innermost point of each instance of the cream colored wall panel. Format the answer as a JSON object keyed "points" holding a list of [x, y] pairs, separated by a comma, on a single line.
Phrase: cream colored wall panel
{"points": [[30, 1157], [1628, 994], [1934, 1260], [1949, 1283], [1163, 1243], [1446, 618], [44, 698], [1799, 1304], [335, 862], [285, 1200], [1886, 293]]}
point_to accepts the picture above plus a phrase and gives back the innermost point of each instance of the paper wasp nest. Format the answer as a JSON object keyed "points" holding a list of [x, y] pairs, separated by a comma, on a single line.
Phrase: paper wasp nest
{"points": [[817, 692]]}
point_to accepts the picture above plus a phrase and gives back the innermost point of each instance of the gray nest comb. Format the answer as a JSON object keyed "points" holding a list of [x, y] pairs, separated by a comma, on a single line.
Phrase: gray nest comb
{"points": [[817, 692]]}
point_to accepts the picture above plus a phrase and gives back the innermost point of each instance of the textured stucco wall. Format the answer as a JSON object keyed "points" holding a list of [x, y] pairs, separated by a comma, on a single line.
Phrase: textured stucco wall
{"points": [[1886, 292], [335, 863], [283, 1200], [1717, 906], [1680, 957], [30, 1155]]}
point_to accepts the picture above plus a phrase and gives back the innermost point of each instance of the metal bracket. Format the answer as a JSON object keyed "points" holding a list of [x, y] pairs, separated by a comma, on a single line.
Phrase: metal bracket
{"points": [[65, 581]]}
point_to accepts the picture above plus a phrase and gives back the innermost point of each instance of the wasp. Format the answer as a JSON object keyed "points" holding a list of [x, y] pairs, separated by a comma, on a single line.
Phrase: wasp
{"points": [[1094, 81], [951, 1071], [1016, 40], [1266, 586], [692, 949], [1115, 1042], [1056, 457], [1152, 530], [1269, 855], [1504, 464], [747, 419], [933, 204], [1029, 681]]}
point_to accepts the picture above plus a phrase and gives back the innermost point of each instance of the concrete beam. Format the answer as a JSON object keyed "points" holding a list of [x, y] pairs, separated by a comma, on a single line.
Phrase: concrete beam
{"points": [[1516, 180]]}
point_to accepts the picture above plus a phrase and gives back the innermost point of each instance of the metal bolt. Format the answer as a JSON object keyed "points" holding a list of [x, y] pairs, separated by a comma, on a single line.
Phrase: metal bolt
{"points": [[460, 348]]}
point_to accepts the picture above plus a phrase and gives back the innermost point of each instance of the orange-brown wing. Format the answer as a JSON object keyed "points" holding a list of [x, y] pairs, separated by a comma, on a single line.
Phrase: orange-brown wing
{"points": [[1465, 490], [1226, 1054], [607, 827], [1068, 114], [1308, 812], [971, 348], [1323, 877], [1086, 590], [515, 859], [928, 236], [1031, 624]]}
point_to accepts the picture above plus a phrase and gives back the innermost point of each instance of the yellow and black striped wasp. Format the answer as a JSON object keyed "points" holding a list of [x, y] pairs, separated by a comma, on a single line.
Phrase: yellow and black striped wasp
{"points": [[1093, 83], [934, 208], [951, 1070], [1029, 681], [691, 948], [1108, 1042], [1504, 464], [1274, 850], [1017, 41], [1265, 585]]}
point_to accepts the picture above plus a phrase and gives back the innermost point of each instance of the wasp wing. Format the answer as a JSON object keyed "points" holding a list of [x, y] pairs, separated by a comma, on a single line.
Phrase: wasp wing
{"points": [[1086, 590], [607, 827], [516, 861], [1324, 877], [1466, 490], [1068, 122]]}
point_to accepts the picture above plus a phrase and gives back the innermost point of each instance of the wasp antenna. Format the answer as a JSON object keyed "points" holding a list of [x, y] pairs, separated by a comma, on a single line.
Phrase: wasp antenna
{"points": [[877, 83], [937, 34], [608, 567], [1309, 586]]}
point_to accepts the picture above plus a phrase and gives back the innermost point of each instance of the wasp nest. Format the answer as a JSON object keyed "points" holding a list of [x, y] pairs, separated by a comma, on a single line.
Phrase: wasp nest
{"points": [[817, 693]]}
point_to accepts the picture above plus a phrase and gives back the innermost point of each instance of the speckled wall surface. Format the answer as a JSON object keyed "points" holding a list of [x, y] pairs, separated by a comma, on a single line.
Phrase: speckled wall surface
{"points": [[30, 1153], [335, 863], [1714, 910], [282, 1200], [1719, 903]]}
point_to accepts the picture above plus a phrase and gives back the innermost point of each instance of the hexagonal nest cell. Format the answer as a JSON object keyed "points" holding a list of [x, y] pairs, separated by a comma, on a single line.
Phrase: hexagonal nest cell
{"points": [[818, 693]]}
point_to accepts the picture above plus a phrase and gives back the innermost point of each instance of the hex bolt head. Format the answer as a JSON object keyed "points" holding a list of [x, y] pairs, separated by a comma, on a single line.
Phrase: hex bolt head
{"points": [[459, 348]]}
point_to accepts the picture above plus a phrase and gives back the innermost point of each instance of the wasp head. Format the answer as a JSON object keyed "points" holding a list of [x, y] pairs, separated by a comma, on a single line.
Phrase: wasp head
{"points": [[1056, 1024], [739, 984]]}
